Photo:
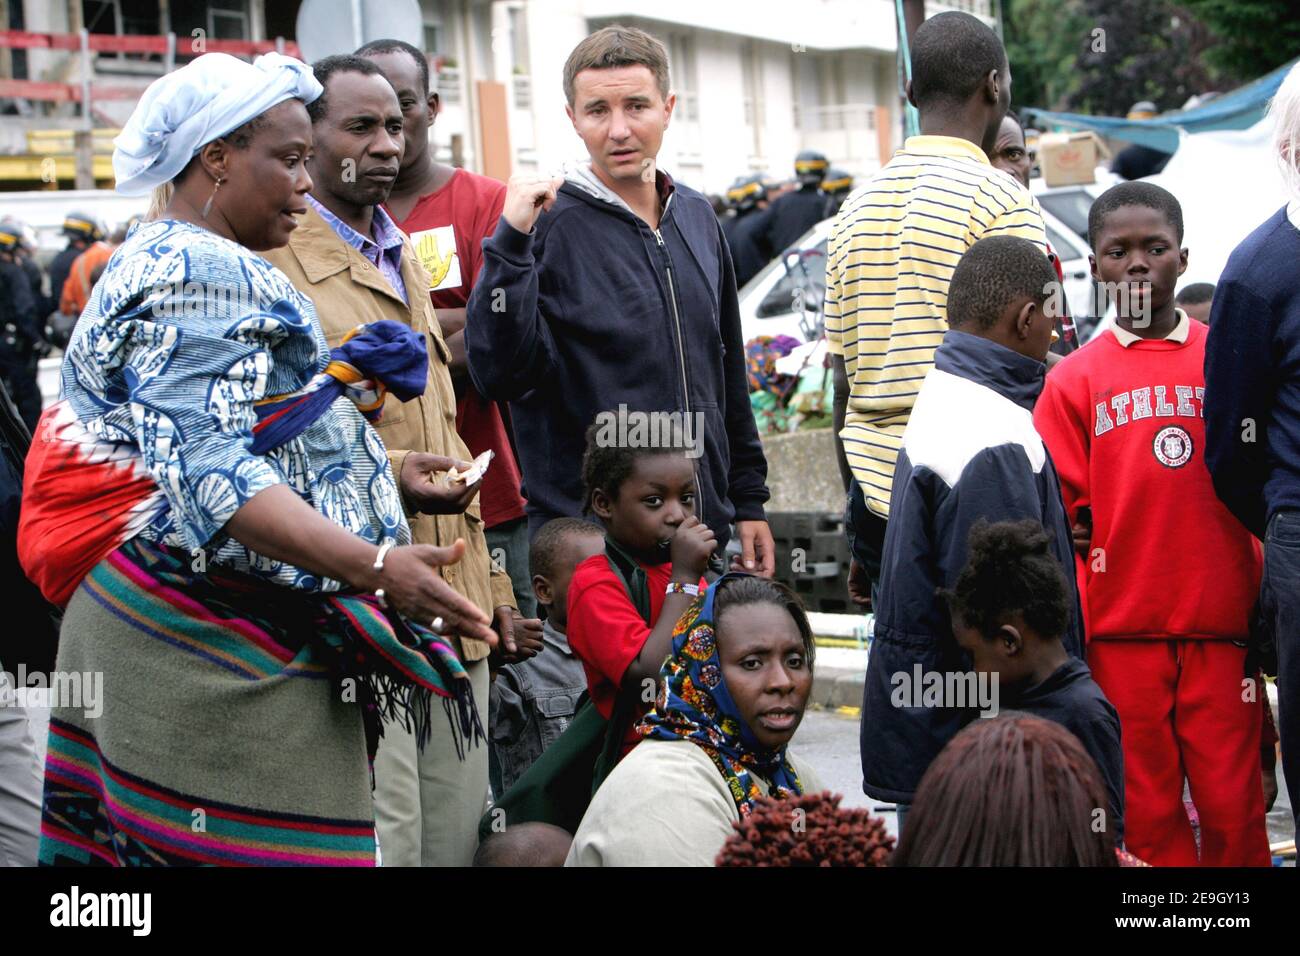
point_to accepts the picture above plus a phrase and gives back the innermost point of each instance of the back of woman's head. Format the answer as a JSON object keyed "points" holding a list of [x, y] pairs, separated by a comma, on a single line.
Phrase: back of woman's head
{"points": [[1010, 569], [1012, 790]]}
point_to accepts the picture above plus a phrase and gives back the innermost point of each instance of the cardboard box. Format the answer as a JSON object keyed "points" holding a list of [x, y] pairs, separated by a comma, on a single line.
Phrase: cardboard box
{"points": [[1068, 159]]}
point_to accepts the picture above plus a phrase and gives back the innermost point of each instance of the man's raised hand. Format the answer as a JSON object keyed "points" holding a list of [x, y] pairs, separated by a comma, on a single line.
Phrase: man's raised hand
{"points": [[527, 197]]}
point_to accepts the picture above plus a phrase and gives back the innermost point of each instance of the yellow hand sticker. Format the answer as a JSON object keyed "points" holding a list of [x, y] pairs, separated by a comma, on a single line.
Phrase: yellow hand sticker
{"points": [[431, 257]]}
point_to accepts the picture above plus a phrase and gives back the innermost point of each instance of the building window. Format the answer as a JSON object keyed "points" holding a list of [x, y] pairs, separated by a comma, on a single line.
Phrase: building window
{"points": [[229, 20], [122, 18], [433, 33], [751, 78], [519, 42], [980, 8], [682, 76]]}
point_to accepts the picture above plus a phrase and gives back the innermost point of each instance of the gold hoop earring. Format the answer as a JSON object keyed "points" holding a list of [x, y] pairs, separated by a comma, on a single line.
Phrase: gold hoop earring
{"points": [[207, 207]]}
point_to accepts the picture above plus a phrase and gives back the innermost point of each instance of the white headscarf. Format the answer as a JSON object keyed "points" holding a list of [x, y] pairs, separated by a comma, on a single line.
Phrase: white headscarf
{"points": [[188, 108]]}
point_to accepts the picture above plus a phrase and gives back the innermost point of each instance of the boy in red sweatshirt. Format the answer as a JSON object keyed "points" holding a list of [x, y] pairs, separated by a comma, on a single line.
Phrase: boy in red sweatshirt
{"points": [[1168, 575]]}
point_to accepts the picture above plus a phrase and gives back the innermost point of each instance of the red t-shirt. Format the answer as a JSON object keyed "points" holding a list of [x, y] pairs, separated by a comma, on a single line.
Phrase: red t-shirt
{"points": [[1126, 432], [447, 228], [605, 630]]}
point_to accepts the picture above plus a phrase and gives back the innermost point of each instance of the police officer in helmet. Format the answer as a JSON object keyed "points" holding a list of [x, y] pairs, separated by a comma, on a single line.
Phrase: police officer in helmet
{"points": [[836, 188], [21, 339], [743, 229], [793, 214], [82, 230]]}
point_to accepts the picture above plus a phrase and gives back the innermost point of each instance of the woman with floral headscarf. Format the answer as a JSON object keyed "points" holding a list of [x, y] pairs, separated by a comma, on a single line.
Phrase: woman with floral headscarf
{"points": [[731, 695]]}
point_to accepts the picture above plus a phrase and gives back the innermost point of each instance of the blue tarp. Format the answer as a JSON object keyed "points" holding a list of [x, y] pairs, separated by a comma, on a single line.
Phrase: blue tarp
{"points": [[1240, 109]]}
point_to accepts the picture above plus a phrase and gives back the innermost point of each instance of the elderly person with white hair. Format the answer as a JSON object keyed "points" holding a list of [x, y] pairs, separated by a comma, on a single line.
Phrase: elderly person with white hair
{"points": [[212, 504], [1252, 413]]}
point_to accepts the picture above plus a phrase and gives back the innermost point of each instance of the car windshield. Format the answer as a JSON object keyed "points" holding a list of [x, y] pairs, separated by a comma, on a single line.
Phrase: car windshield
{"points": [[802, 287], [808, 240], [1070, 206], [1060, 244]]}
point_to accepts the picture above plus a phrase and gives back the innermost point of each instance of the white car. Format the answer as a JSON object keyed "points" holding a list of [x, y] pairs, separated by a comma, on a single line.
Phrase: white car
{"points": [[785, 298]]}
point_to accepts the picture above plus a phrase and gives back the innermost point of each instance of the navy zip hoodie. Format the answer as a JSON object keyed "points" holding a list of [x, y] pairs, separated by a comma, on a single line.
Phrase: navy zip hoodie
{"points": [[970, 451], [592, 310], [1252, 377]]}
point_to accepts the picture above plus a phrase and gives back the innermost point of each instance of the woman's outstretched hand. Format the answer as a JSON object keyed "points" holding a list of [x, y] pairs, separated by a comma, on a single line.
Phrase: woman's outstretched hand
{"points": [[413, 589], [277, 523]]}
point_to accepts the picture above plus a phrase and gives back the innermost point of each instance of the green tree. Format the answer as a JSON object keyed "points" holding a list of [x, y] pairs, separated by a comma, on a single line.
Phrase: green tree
{"points": [[1254, 36], [1139, 50], [1043, 39], [1102, 56]]}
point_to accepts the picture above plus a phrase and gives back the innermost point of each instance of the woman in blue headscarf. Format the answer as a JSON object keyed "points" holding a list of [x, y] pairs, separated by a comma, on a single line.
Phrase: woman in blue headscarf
{"points": [[731, 695], [260, 609]]}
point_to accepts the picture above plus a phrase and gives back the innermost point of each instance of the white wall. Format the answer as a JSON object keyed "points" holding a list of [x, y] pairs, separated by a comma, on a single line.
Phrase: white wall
{"points": [[555, 27]]}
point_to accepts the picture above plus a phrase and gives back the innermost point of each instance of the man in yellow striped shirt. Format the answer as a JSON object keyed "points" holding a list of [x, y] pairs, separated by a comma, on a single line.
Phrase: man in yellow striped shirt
{"points": [[894, 247]]}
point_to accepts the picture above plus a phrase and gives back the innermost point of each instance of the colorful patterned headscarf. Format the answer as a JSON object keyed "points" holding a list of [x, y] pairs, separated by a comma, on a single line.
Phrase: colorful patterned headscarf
{"points": [[694, 704]]}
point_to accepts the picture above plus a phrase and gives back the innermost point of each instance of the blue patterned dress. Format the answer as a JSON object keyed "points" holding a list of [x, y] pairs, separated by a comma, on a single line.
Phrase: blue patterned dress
{"points": [[241, 696], [185, 331]]}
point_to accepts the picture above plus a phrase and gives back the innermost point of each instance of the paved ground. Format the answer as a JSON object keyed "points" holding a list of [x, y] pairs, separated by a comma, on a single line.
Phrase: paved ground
{"points": [[828, 740]]}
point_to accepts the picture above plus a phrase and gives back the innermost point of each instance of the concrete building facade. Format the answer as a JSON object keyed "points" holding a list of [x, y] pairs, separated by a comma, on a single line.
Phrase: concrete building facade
{"points": [[755, 81]]}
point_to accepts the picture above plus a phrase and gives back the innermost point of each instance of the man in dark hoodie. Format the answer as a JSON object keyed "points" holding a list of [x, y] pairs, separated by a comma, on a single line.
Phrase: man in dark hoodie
{"points": [[621, 298], [969, 451]]}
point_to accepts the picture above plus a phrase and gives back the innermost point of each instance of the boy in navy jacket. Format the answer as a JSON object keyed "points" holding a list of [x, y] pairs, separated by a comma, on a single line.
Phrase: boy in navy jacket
{"points": [[621, 295], [970, 451]]}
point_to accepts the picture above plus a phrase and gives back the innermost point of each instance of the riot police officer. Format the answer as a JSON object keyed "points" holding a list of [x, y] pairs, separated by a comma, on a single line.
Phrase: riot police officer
{"points": [[836, 188], [793, 214], [21, 339], [82, 231], [744, 228]]}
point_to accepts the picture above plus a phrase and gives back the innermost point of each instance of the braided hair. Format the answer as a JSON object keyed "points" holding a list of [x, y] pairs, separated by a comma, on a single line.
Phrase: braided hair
{"points": [[825, 834], [1010, 570], [743, 590]]}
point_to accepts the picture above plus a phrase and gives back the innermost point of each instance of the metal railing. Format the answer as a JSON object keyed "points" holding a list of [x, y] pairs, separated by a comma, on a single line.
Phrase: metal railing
{"points": [[166, 46], [839, 116]]}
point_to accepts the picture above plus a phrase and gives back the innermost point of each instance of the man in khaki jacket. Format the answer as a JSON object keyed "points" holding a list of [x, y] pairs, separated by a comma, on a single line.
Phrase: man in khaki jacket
{"points": [[357, 267]]}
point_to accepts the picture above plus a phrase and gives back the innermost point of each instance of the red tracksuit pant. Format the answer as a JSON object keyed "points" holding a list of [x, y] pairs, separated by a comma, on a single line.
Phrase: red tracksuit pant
{"points": [[1182, 715]]}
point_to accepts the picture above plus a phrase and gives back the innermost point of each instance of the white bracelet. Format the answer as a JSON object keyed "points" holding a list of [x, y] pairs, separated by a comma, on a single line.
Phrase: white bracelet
{"points": [[379, 566], [674, 588]]}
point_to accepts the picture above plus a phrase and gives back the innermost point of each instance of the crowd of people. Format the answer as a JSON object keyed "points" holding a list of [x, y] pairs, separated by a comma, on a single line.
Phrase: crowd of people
{"points": [[344, 431]]}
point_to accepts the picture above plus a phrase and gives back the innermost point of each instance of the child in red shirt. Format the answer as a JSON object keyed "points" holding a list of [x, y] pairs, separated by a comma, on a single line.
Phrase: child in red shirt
{"points": [[645, 498], [1169, 574]]}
